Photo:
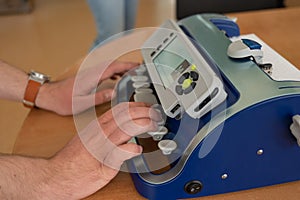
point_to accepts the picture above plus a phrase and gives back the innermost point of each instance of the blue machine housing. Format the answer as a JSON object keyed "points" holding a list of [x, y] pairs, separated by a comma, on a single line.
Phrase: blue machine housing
{"points": [[264, 126], [244, 143]]}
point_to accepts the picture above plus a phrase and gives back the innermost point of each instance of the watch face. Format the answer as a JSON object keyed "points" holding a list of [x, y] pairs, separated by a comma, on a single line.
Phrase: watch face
{"points": [[39, 77]]}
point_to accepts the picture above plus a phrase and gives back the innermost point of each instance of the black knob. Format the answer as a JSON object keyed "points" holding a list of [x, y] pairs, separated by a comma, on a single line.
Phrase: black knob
{"points": [[184, 76], [179, 89], [193, 187], [194, 75]]}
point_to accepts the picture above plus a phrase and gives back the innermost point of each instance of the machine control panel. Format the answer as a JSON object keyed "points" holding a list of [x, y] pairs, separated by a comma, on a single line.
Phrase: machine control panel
{"points": [[184, 82]]}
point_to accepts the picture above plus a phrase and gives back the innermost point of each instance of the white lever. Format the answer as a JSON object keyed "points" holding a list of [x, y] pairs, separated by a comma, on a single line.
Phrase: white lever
{"points": [[143, 90], [146, 98], [295, 128], [141, 70], [139, 78], [167, 146], [159, 109], [158, 135], [140, 84]]}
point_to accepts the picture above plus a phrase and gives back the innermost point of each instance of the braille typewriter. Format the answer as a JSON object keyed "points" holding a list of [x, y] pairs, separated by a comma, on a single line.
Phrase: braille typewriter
{"points": [[227, 124]]}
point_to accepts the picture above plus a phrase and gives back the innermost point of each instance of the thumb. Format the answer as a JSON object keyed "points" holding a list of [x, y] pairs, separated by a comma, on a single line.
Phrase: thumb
{"points": [[103, 96], [120, 154]]}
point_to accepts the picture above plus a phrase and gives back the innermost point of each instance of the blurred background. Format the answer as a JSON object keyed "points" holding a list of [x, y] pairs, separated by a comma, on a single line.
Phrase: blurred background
{"points": [[51, 35]]}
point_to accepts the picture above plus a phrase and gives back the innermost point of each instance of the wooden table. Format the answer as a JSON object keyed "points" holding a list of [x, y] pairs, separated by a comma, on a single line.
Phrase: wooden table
{"points": [[44, 133]]}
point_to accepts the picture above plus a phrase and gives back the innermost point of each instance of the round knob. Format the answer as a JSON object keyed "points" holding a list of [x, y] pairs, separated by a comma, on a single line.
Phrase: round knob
{"points": [[193, 187], [167, 146], [158, 135], [295, 128]]}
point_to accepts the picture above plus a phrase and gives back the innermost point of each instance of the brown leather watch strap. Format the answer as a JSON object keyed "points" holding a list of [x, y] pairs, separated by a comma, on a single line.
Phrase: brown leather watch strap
{"points": [[31, 92]]}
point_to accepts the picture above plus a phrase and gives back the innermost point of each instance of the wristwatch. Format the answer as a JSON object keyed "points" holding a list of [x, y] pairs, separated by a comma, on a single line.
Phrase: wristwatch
{"points": [[35, 81]]}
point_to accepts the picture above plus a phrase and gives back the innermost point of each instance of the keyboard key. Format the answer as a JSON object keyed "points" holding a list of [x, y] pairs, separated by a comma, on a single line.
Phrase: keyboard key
{"points": [[139, 78], [146, 98], [139, 84]]}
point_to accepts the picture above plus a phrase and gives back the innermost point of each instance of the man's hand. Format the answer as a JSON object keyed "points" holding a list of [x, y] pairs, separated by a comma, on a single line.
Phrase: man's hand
{"points": [[74, 95], [77, 173], [86, 164]]}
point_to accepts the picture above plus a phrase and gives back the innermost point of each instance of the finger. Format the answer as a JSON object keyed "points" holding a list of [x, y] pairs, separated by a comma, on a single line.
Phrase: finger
{"points": [[125, 132], [89, 77], [81, 103], [137, 127], [95, 141], [117, 156], [130, 110], [99, 146], [103, 96], [136, 113], [118, 67], [120, 108], [131, 121], [93, 136], [117, 76], [131, 127]]}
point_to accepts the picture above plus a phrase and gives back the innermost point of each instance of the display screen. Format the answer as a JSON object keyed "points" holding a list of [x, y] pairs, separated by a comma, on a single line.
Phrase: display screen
{"points": [[172, 61]]}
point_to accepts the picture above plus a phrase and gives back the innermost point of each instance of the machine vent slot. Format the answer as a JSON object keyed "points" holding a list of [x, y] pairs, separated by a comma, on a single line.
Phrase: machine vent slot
{"points": [[207, 100], [175, 109]]}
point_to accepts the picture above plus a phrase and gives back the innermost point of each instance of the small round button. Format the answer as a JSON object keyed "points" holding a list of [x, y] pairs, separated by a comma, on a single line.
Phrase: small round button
{"points": [[186, 83], [167, 146], [193, 187]]}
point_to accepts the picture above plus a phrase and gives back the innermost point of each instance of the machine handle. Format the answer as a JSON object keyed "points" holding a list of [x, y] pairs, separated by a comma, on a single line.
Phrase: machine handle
{"points": [[295, 128]]}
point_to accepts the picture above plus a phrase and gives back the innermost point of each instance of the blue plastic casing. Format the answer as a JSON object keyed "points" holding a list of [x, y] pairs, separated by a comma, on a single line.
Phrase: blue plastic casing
{"points": [[244, 143]]}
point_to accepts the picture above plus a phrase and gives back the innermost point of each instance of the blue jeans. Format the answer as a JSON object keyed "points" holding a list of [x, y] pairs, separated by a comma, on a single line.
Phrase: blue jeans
{"points": [[112, 17]]}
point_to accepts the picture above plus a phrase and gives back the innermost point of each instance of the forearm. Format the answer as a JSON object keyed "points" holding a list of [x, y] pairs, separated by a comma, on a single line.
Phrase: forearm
{"points": [[24, 178], [36, 178], [12, 82], [71, 174]]}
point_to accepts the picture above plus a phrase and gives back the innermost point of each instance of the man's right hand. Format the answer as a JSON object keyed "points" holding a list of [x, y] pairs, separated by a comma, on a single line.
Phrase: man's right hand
{"points": [[78, 173]]}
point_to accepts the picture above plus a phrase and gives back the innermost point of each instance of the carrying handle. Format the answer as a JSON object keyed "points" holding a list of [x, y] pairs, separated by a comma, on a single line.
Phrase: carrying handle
{"points": [[295, 128]]}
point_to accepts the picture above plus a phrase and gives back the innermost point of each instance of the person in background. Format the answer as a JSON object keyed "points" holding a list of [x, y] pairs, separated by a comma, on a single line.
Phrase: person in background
{"points": [[73, 173], [112, 17]]}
